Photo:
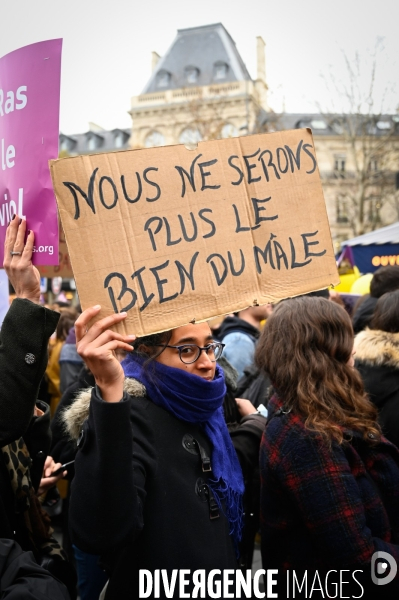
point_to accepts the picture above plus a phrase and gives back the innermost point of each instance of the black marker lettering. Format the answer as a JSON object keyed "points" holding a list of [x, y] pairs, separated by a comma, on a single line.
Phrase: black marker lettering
{"points": [[219, 278], [280, 254], [205, 174], [266, 254], [123, 291], [239, 227], [147, 227], [269, 164], [211, 223], [100, 190], [161, 283], [279, 152], [294, 264], [88, 197], [258, 209], [293, 158], [190, 176], [306, 244], [241, 174], [169, 241], [183, 273], [158, 194], [147, 299], [251, 166], [184, 231], [305, 147], [139, 190], [232, 268]]}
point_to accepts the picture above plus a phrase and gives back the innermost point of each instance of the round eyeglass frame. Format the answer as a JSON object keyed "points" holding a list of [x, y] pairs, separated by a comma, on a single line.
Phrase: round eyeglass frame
{"points": [[217, 346]]}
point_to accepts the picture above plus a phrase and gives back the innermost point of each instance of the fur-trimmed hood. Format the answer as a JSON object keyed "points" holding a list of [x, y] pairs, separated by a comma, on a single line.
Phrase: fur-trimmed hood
{"points": [[75, 415], [377, 348]]}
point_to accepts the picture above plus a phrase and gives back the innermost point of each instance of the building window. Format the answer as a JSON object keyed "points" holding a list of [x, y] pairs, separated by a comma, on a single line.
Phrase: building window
{"points": [[191, 74], [373, 212], [154, 139], [342, 210], [119, 139], [220, 70], [163, 78], [318, 124], [92, 143], [229, 131], [339, 165], [373, 165], [190, 135], [64, 145]]}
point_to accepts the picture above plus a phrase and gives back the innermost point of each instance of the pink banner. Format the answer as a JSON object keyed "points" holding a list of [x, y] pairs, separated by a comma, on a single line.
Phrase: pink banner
{"points": [[29, 132]]}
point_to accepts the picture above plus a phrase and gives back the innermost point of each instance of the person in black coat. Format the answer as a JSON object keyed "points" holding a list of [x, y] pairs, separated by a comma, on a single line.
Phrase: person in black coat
{"points": [[158, 484], [377, 360], [385, 279], [24, 423], [24, 338], [21, 578]]}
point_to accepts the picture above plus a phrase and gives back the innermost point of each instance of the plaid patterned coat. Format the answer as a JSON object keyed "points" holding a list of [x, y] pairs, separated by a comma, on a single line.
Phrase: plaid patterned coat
{"points": [[322, 508]]}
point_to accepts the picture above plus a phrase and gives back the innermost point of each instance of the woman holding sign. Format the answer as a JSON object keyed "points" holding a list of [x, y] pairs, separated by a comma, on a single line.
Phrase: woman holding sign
{"points": [[158, 483]]}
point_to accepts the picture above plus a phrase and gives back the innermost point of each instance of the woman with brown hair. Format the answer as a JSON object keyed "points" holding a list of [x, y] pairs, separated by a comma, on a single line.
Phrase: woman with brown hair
{"points": [[330, 480]]}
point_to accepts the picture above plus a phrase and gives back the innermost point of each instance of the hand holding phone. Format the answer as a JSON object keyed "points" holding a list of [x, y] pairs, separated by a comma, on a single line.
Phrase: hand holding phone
{"points": [[61, 468]]}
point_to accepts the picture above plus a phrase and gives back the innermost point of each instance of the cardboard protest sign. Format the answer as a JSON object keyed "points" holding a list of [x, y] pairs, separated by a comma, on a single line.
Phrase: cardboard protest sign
{"points": [[29, 132], [173, 236]]}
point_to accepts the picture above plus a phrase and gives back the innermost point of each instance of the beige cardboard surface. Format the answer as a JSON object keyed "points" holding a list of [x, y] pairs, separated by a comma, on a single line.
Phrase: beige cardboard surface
{"points": [[173, 235]]}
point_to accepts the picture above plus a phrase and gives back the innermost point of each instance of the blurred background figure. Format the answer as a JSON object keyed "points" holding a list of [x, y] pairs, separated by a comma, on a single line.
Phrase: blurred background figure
{"points": [[385, 279], [377, 359], [53, 372], [240, 333]]}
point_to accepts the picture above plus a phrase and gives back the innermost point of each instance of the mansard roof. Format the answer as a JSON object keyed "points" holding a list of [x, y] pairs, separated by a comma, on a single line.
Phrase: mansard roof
{"points": [[198, 56], [331, 124]]}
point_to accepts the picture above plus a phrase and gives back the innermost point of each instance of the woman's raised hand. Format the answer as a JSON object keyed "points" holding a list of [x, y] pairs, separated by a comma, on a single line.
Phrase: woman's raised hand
{"points": [[24, 277], [97, 347]]}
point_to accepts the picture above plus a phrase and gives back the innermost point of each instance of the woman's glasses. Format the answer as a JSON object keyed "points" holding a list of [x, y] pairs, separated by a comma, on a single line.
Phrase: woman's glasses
{"points": [[189, 353]]}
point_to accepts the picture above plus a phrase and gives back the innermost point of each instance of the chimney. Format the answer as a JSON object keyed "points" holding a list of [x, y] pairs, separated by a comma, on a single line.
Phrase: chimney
{"points": [[154, 60], [260, 59]]}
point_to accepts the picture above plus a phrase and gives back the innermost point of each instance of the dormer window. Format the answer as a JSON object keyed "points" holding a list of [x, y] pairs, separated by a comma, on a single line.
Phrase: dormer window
{"points": [[318, 124], [94, 141], [119, 139], [66, 143], [220, 70], [191, 74], [163, 78]]}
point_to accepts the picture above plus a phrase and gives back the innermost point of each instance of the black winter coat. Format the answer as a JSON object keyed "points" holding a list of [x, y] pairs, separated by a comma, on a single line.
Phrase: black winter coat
{"points": [[24, 338], [377, 359], [153, 512], [21, 578]]}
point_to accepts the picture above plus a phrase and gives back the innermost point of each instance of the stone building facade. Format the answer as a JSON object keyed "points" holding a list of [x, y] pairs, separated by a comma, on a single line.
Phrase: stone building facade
{"points": [[201, 89]]}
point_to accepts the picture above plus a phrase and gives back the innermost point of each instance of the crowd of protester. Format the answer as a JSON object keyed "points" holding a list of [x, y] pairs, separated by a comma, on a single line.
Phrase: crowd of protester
{"points": [[178, 449]]}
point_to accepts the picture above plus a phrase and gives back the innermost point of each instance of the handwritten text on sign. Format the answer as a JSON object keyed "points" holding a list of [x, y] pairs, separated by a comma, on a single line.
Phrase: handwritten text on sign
{"points": [[172, 235]]}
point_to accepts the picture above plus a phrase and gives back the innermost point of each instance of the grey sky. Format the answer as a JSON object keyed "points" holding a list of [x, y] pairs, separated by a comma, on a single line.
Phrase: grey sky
{"points": [[108, 44]]}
